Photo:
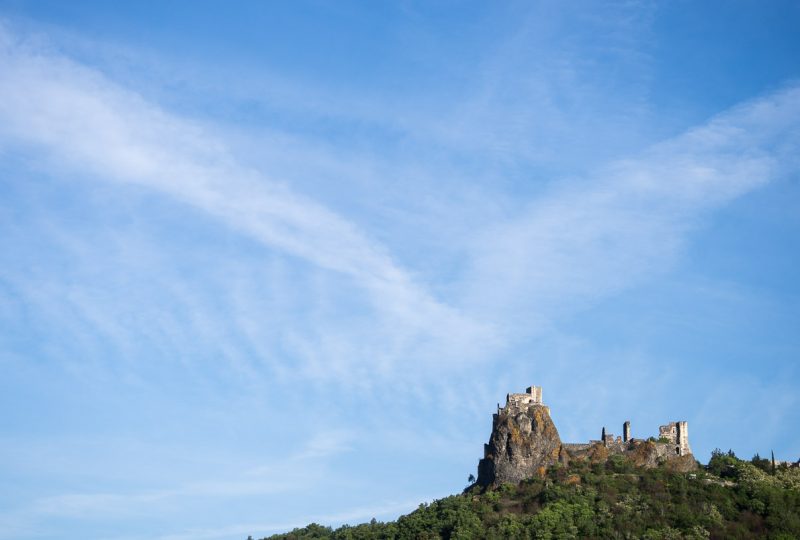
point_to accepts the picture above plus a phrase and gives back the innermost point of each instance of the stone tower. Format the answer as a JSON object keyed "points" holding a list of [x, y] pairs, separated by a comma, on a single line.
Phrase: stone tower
{"points": [[626, 431], [535, 393], [683, 438]]}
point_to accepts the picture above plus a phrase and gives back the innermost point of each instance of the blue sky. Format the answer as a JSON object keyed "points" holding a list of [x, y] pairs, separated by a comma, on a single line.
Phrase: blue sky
{"points": [[275, 263]]}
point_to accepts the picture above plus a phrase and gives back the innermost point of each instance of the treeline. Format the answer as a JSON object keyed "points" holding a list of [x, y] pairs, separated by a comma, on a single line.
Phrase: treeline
{"points": [[728, 499]]}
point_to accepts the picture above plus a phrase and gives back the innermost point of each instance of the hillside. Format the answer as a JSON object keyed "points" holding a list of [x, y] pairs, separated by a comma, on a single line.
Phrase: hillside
{"points": [[615, 498]]}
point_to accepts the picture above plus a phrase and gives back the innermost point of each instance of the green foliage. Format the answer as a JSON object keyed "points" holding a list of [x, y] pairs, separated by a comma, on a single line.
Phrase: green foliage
{"points": [[721, 464], [762, 463], [309, 532], [563, 520], [731, 498]]}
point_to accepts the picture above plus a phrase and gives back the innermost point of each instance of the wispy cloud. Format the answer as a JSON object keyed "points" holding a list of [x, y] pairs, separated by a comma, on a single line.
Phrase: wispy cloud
{"points": [[629, 221], [293, 473], [584, 239], [351, 516], [83, 122]]}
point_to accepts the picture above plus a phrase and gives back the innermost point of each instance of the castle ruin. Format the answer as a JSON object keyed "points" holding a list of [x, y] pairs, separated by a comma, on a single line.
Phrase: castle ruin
{"points": [[532, 396], [525, 441], [677, 433]]}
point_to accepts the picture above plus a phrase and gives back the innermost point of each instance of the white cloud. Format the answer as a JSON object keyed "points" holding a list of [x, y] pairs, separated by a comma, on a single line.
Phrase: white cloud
{"points": [[584, 239], [295, 472], [259, 529], [628, 222], [81, 121]]}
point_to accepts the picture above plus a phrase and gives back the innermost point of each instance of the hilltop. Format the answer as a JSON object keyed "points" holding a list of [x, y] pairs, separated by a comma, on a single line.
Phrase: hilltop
{"points": [[729, 498], [531, 485], [525, 441]]}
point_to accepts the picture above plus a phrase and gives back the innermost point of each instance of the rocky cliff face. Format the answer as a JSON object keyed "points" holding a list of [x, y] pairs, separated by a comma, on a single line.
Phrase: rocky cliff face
{"points": [[524, 442]]}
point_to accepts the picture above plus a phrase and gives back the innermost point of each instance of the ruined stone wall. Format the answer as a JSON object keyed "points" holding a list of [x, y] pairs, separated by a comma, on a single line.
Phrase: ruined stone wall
{"points": [[669, 432], [677, 433], [518, 399], [576, 447], [533, 394]]}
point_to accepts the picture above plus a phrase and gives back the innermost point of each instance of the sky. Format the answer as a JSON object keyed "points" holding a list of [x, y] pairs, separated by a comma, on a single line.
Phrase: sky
{"points": [[269, 263]]}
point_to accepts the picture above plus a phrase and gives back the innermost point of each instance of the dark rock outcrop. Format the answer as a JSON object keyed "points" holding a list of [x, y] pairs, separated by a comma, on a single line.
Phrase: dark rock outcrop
{"points": [[524, 442]]}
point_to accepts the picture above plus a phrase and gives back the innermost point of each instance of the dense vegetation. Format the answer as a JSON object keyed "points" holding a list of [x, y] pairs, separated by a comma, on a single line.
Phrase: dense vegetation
{"points": [[729, 498]]}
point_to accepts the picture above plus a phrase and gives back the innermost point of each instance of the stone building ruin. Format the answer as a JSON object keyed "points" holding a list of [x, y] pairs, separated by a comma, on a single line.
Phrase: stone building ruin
{"points": [[677, 433], [525, 441], [532, 395]]}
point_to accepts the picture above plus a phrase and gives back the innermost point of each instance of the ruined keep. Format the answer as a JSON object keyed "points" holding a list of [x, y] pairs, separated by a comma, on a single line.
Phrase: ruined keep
{"points": [[524, 442], [677, 433]]}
